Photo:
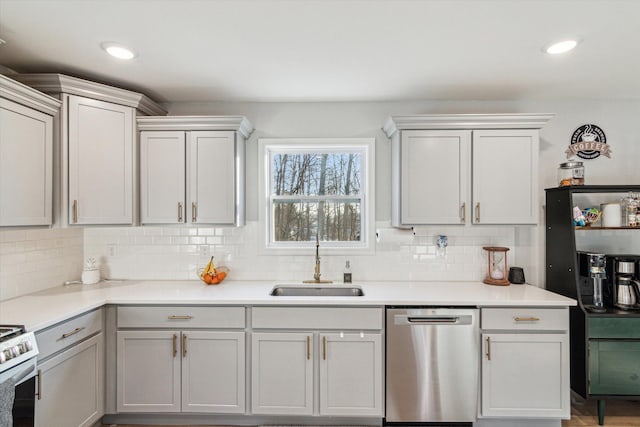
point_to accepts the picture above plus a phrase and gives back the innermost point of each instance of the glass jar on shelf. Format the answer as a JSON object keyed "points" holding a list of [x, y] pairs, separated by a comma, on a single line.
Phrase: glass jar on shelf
{"points": [[571, 173], [631, 210]]}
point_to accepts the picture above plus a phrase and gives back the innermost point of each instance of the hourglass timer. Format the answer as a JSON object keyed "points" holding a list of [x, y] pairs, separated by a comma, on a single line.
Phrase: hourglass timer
{"points": [[497, 266]]}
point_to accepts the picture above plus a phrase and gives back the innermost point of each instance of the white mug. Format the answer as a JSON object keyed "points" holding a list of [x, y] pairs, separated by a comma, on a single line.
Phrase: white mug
{"points": [[611, 214]]}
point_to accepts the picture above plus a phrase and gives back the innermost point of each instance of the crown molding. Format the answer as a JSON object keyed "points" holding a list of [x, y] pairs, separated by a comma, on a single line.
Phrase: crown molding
{"points": [[235, 123], [465, 121], [60, 83], [29, 97]]}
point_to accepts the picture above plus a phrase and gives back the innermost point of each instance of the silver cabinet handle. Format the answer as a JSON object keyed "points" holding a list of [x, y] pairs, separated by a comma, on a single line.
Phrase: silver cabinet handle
{"points": [[488, 348], [478, 212], [176, 317], [194, 212], [75, 331], [526, 319], [75, 211], [463, 211], [308, 347], [179, 211]]}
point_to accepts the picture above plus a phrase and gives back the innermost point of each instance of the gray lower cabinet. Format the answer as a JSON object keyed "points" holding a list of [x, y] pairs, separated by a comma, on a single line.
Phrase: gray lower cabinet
{"points": [[180, 371], [282, 373], [180, 359], [70, 380], [329, 352], [525, 363]]}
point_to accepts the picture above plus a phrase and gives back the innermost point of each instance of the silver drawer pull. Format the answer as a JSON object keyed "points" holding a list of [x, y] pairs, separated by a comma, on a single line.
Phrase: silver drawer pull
{"points": [[174, 317], [526, 319], [75, 331]]}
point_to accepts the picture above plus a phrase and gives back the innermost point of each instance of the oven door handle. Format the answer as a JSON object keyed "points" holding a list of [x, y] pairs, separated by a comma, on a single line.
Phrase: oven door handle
{"points": [[24, 375]]}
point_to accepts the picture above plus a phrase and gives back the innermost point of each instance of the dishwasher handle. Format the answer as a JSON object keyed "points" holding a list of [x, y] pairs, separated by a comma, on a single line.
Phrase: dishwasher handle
{"points": [[433, 319]]}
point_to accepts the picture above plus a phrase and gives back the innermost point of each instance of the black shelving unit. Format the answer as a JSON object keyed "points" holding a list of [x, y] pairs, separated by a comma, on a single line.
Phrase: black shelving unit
{"points": [[563, 277]]}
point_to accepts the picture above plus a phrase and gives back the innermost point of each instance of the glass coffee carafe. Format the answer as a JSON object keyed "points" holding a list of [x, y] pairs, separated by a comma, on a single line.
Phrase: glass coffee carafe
{"points": [[597, 274]]}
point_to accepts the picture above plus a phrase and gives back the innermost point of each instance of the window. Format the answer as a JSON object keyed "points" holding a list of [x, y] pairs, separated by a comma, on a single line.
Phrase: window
{"points": [[317, 188]]}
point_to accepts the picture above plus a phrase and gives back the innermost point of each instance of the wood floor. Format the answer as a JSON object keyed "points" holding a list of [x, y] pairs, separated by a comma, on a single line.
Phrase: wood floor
{"points": [[619, 413]]}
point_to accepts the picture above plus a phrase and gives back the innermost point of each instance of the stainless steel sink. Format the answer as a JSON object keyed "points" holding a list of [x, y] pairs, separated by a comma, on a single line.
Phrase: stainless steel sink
{"points": [[316, 291]]}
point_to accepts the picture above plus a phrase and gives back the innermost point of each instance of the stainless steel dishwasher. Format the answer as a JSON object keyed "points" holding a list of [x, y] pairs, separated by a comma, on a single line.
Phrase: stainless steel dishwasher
{"points": [[432, 365]]}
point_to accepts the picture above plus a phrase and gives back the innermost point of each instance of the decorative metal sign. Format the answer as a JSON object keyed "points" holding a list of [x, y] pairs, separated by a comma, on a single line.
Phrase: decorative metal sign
{"points": [[588, 142]]}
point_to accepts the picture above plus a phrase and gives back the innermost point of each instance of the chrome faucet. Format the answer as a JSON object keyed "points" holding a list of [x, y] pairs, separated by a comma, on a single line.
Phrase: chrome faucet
{"points": [[316, 270]]}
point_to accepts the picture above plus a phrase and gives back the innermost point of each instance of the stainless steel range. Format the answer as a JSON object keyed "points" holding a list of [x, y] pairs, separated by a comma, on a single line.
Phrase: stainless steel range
{"points": [[18, 353]]}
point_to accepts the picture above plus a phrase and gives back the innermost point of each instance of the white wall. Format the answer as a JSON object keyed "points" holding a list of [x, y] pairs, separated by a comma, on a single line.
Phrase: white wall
{"points": [[175, 252]]}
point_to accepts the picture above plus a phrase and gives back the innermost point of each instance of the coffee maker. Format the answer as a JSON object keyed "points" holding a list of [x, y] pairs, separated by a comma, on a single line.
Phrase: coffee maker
{"points": [[618, 268], [624, 284]]}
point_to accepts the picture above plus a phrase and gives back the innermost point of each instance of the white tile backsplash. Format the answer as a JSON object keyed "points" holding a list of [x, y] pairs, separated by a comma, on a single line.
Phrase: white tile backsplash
{"points": [[36, 259], [33, 260], [175, 252]]}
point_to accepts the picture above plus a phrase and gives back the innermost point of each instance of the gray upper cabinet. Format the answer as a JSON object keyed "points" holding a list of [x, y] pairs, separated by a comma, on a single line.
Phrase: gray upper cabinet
{"points": [[193, 169], [96, 170], [26, 154], [464, 169]]}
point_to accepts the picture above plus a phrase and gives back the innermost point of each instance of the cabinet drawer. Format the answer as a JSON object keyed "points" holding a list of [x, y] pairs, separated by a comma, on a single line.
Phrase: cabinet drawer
{"points": [[64, 334], [526, 319], [180, 317], [613, 327], [317, 317]]}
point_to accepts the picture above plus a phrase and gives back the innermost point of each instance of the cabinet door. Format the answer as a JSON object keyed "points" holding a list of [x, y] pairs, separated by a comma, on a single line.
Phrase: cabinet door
{"points": [[71, 386], [213, 365], [162, 177], [434, 176], [211, 194], [282, 373], [614, 367], [351, 374], [148, 371], [100, 162], [505, 165], [25, 165], [525, 375]]}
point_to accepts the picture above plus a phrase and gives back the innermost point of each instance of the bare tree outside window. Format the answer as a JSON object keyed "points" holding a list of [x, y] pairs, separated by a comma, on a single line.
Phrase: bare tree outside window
{"points": [[316, 193]]}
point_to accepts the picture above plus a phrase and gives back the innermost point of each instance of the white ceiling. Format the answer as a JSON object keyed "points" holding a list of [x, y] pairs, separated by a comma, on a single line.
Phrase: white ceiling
{"points": [[333, 50]]}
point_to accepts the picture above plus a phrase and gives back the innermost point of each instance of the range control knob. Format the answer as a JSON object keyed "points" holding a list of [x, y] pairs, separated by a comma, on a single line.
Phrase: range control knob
{"points": [[8, 354], [16, 350], [3, 357]]}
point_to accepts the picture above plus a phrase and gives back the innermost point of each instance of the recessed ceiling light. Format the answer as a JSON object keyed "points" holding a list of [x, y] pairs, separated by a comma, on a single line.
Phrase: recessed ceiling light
{"points": [[561, 47], [118, 51]]}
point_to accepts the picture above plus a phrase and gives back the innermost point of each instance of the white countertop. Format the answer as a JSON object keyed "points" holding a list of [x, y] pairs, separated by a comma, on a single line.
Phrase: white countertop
{"points": [[42, 309]]}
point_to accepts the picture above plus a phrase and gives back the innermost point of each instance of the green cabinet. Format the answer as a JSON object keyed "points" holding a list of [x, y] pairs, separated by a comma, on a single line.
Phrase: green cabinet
{"points": [[614, 367], [614, 356]]}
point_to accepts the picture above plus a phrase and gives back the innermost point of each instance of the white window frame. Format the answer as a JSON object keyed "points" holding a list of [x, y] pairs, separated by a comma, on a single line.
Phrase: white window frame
{"points": [[268, 146]]}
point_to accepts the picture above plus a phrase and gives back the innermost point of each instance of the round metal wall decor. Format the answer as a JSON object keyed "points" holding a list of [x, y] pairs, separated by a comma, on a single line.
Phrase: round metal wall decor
{"points": [[588, 142]]}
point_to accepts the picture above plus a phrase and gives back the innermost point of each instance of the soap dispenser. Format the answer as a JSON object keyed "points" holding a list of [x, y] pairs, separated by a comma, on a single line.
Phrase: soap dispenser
{"points": [[347, 272]]}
